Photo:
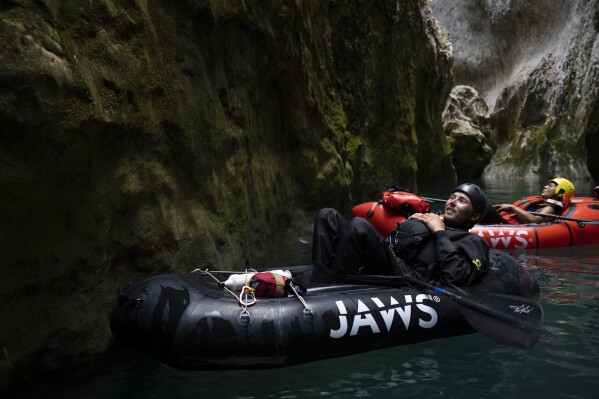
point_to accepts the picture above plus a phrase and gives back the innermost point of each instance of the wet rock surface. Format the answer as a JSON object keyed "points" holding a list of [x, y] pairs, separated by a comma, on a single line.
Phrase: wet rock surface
{"points": [[537, 71], [145, 137]]}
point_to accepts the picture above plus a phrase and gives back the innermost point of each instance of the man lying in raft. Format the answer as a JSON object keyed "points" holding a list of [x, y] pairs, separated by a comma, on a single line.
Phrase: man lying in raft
{"points": [[554, 198], [425, 246]]}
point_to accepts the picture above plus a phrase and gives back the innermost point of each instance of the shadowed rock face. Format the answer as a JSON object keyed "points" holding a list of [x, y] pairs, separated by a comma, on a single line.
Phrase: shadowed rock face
{"points": [[140, 137], [537, 70]]}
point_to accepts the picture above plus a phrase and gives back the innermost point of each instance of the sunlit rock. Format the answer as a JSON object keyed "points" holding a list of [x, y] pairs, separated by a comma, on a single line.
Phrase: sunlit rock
{"points": [[535, 64], [466, 122]]}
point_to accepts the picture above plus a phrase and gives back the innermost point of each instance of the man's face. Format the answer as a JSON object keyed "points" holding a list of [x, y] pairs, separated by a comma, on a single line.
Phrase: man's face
{"points": [[549, 190], [459, 211]]}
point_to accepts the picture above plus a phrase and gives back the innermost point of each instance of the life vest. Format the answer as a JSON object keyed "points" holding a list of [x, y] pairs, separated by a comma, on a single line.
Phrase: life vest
{"points": [[526, 203]]}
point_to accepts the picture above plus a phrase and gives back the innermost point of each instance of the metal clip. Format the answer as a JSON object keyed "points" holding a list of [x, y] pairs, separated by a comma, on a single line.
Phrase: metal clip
{"points": [[140, 300], [244, 317], [308, 316]]}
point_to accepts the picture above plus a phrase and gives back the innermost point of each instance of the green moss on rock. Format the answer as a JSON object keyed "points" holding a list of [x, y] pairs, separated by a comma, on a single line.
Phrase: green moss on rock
{"points": [[140, 137]]}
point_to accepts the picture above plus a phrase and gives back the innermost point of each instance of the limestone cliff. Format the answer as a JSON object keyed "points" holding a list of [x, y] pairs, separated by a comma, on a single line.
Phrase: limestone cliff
{"points": [[142, 136], [536, 64]]}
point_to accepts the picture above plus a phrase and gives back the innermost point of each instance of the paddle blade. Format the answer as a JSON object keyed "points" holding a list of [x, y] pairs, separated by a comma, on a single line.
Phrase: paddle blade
{"points": [[506, 319]]}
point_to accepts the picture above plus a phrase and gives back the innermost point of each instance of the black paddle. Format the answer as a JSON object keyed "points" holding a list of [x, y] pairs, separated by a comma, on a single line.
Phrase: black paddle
{"points": [[506, 319], [582, 222]]}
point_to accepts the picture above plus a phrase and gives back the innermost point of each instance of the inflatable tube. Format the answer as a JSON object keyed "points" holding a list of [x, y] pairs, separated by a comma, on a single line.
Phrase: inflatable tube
{"points": [[556, 233], [552, 234], [381, 217], [191, 322]]}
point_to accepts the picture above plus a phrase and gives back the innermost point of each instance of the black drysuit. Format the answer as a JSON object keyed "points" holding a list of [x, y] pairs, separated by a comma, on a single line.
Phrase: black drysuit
{"points": [[452, 256]]}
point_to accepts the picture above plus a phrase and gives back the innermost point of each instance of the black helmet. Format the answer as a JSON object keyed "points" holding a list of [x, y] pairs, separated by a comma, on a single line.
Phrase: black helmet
{"points": [[477, 197]]}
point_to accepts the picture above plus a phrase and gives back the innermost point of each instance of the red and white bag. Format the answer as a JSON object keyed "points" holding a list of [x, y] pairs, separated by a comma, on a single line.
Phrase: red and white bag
{"points": [[269, 285]]}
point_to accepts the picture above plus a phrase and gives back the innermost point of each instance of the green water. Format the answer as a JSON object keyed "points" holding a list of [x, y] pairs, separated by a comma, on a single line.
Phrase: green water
{"points": [[564, 364]]}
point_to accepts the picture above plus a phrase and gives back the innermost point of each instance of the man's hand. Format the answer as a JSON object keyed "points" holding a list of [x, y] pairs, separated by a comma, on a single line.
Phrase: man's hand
{"points": [[505, 208], [431, 220]]}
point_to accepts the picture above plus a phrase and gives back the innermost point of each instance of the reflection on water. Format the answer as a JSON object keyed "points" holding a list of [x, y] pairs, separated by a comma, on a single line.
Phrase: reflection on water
{"points": [[567, 276], [565, 362], [570, 341]]}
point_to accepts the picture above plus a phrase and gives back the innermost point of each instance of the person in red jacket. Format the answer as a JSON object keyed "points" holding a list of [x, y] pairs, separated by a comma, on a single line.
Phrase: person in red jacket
{"points": [[554, 198]]}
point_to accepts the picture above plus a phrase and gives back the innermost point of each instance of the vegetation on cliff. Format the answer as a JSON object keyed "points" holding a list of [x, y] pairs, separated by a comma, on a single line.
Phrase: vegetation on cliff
{"points": [[147, 136]]}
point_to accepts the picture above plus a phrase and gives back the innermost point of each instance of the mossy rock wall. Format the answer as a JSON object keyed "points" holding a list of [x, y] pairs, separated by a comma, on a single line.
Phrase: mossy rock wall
{"points": [[141, 136]]}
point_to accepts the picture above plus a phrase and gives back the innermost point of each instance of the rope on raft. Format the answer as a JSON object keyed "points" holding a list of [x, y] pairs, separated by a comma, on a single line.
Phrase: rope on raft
{"points": [[247, 292], [245, 298]]}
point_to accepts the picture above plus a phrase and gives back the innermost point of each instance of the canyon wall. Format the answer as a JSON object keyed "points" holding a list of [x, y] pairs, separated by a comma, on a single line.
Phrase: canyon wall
{"points": [[147, 136], [536, 65]]}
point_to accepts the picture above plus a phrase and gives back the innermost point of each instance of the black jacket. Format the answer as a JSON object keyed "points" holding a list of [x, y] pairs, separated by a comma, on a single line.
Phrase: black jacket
{"points": [[351, 247], [452, 256]]}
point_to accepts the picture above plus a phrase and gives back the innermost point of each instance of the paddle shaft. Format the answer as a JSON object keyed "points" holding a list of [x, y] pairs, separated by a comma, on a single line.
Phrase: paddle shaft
{"points": [[428, 199], [546, 215], [457, 298]]}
